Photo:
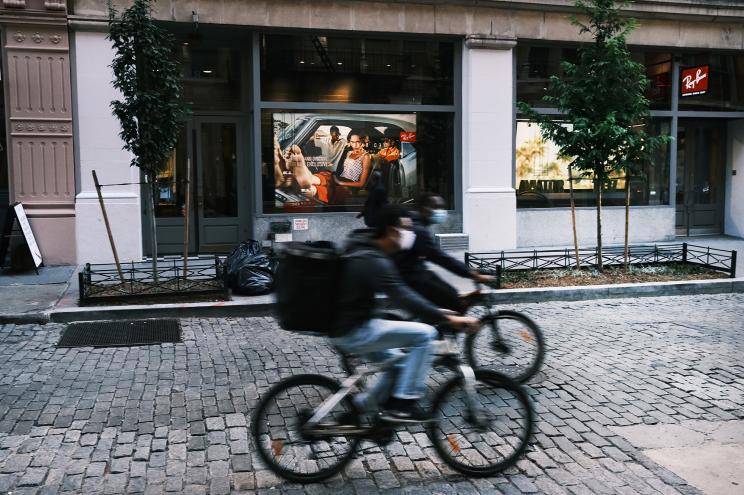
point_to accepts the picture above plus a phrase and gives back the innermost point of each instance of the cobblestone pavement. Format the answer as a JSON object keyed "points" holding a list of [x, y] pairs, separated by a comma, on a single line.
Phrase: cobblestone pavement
{"points": [[173, 418]]}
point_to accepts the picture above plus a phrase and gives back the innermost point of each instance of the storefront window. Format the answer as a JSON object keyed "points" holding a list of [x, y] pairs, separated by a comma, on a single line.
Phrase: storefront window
{"points": [[172, 181], [537, 63], [659, 73], [542, 179], [535, 66], [721, 75], [332, 69], [210, 76], [324, 161]]}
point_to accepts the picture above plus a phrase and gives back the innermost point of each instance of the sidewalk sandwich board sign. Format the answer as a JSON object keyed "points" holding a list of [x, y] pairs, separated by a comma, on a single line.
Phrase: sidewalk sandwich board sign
{"points": [[17, 213]]}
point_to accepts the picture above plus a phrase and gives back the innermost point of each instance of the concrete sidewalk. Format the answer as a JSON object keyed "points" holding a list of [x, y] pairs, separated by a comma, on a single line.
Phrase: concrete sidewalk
{"points": [[53, 294]]}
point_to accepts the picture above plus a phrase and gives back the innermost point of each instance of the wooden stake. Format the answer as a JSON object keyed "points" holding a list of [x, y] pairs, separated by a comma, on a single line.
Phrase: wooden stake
{"points": [[187, 214], [573, 216], [627, 220], [108, 227]]}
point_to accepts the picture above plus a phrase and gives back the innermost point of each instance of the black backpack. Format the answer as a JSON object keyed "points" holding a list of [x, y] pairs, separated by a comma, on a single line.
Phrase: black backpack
{"points": [[307, 283]]}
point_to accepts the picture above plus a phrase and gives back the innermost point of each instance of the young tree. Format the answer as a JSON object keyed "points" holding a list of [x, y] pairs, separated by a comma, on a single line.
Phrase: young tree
{"points": [[150, 111], [601, 96]]}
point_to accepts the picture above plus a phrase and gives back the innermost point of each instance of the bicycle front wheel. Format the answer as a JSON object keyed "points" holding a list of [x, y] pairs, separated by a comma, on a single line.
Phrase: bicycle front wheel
{"points": [[510, 343], [285, 446], [487, 444]]}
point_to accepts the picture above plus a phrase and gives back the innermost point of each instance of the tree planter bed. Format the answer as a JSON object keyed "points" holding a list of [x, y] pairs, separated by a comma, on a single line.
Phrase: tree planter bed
{"points": [[687, 260], [204, 280]]}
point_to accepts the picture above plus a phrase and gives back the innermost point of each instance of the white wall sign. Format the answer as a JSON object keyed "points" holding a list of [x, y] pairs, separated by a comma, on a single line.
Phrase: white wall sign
{"points": [[28, 234], [299, 224]]}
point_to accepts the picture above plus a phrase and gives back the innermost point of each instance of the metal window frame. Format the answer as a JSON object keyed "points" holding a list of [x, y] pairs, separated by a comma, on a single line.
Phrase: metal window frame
{"points": [[674, 114], [258, 105]]}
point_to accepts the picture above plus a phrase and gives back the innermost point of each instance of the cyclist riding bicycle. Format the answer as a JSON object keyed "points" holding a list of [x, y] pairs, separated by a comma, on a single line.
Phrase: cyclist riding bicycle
{"points": [[411, 262], [368, 270]]}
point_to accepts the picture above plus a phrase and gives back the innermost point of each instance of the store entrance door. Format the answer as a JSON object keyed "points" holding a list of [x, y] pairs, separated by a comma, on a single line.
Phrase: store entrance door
{"points": [[218, 190], [701, 166]]}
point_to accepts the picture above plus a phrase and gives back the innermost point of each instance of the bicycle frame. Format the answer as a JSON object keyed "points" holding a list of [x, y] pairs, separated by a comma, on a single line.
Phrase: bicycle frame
{"points": [[491, 314], [447, 356]]}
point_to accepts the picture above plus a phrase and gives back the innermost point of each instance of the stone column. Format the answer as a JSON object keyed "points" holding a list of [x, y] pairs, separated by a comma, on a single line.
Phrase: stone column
{"points": [[100, 149], [36, 60], [489, 198], [734, 209]]}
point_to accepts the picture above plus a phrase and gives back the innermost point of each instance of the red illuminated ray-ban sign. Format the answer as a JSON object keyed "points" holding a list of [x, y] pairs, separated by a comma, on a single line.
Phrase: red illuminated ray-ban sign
{"points": [[695, 80], [407, 137]]}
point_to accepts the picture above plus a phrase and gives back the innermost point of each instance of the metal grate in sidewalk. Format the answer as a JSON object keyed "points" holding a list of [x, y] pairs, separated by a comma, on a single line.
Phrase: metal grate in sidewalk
{"points": [[125, 333]]}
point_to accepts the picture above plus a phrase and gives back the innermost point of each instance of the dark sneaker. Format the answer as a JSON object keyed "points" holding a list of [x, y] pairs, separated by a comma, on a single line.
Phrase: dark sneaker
{"points": [[404, 415]]}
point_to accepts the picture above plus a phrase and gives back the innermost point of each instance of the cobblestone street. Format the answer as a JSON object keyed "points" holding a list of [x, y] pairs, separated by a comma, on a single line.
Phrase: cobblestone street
{"points": [[173, 418]]}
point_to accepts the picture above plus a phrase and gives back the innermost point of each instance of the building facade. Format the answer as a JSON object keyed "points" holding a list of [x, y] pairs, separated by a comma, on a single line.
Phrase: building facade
{"points": [[279, 91]]}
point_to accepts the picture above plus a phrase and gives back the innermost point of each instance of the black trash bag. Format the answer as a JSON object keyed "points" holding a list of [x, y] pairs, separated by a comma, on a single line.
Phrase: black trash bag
{"points": [[250, 272], [239, 256]]}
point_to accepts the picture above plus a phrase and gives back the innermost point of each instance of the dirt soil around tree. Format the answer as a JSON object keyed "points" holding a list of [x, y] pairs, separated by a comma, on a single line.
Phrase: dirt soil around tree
{"points": [[524, 279]]}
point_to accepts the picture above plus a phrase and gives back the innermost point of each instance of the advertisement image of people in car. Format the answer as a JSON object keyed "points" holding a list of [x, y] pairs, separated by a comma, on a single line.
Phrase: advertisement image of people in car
{"points": [[322, 161]]}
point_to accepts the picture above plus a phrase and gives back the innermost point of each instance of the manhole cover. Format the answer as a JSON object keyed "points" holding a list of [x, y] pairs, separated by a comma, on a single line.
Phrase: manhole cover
{"points": [[126, 333]]}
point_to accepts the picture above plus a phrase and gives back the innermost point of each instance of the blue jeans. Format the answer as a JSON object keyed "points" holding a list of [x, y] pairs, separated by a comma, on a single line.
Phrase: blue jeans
{"points": [[383, 339]]}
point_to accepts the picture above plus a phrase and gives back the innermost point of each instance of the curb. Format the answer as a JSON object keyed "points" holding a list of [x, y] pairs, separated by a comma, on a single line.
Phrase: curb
{"points": [[25, 318], [616, 291], [264, 305]]}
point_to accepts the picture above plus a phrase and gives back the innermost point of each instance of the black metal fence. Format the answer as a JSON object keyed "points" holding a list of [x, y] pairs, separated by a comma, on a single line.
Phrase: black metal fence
{"points": [[496, 262], [204, 275]]}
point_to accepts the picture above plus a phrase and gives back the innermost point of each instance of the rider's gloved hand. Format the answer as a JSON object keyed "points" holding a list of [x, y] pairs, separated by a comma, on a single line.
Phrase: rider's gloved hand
{"points": [[467, 324]]}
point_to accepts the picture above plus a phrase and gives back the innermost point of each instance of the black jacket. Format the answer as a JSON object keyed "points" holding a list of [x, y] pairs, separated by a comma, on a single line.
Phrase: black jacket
{"points": [[411, 261], [368, 271]]}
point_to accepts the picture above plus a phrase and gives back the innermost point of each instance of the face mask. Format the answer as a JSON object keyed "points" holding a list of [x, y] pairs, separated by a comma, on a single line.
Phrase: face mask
{"points": [[438, 216], [406, 240]]}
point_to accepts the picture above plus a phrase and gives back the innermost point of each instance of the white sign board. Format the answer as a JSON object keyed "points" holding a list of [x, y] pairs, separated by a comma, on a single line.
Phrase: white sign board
{"points": [[28, 234], [299, 224]]}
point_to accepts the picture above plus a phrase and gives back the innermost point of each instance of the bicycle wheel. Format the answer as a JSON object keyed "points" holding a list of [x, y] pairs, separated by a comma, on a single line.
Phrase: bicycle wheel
{"points": [[495, 443], [510, 343], [285, 447]]}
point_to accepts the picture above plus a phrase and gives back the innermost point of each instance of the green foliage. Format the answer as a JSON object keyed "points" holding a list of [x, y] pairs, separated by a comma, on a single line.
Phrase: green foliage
{"points": [[148, 77], [602, 97]]}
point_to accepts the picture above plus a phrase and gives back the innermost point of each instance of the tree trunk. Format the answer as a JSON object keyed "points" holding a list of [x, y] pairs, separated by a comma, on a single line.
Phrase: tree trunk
{"points": [[598, 185], [153, 229], [627, 220], [186, 214], [573, 216]]}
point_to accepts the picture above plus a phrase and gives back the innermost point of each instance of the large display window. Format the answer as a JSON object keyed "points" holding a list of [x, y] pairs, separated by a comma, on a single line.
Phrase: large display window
{"points": [[321, 153], [723, 81], [325, 161], [536, 64], [542, 179], [335, 69]]}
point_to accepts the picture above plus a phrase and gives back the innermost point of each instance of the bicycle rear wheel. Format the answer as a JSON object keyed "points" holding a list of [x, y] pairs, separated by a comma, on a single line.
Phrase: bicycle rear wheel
{"points": [[485, 448], [284, 446], [510, 343]]}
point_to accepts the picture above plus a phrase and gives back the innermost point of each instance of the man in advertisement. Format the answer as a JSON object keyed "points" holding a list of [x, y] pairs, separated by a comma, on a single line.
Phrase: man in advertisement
{"points": [[331, 147]]}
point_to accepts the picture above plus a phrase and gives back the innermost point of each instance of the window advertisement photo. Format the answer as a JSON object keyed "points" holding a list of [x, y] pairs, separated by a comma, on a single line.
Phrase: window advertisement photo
{"points": [[324, 162]]}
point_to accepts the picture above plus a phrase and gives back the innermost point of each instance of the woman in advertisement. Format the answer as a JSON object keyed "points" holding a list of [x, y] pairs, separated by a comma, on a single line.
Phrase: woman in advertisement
{"points": [[357, 165]]}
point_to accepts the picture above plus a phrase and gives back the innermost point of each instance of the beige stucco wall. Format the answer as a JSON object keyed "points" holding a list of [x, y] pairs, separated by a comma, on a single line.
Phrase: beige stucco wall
{"points": [[712, 24]]}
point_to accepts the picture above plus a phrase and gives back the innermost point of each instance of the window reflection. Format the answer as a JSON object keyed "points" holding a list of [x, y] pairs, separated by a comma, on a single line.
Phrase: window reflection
{"points": [[333, 69], [219, 163], [725, 83], [542, 179], [537, 63], [171, 182]]}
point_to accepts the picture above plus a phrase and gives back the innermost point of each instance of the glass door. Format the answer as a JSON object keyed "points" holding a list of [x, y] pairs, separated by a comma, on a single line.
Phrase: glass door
{"points": [[219, 184], [218, 190], [170, 200], [701, 166]]}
